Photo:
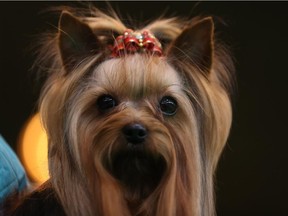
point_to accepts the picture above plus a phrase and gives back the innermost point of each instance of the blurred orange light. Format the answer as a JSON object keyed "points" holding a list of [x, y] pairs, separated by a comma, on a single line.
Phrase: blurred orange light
{"points": [[33, 150]]}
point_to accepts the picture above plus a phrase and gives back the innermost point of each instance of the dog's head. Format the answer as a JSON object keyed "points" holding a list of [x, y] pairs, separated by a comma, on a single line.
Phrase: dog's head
{"points": [[139, 133]]}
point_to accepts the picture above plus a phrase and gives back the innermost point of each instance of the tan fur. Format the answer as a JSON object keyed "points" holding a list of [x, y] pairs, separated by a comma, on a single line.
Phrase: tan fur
{"points": [[81, 140]]}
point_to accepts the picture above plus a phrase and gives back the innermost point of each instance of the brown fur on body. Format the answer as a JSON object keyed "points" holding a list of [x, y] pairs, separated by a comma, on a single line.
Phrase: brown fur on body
{"points": [[93, 169], [42, 201]]}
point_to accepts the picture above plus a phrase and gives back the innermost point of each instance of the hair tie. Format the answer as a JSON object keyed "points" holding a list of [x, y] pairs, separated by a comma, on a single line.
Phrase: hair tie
{"points": [[134, 41]]}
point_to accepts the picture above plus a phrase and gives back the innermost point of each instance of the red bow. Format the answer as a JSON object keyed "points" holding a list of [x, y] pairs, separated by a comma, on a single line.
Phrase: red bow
{"points": [[132, 42]]}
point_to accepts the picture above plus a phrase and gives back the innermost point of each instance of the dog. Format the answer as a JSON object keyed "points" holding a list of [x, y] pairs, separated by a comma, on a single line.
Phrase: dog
{"points": [[136, 118]]}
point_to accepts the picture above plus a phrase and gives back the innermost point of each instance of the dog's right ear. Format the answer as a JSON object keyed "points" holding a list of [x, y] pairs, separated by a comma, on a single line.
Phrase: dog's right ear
{"points": [[76, 40]]}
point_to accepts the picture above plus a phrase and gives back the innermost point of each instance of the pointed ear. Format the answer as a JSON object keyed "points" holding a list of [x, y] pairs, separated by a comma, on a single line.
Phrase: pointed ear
{"points": [[195, 43], [76, 40]]}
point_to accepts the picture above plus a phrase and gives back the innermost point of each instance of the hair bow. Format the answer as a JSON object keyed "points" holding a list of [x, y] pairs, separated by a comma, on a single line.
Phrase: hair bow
{"points": [[132, 42]]}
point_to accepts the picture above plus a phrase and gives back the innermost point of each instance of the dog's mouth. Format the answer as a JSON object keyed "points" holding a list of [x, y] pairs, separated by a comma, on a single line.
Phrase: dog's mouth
{"points": [[139, 170]]}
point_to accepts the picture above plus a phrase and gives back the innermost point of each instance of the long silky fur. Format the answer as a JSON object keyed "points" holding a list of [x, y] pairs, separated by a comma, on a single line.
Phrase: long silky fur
{"points": [[78, 146]]}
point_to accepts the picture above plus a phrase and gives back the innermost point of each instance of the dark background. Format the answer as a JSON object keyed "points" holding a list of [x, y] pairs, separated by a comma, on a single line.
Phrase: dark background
{"points": [[253, 172]]}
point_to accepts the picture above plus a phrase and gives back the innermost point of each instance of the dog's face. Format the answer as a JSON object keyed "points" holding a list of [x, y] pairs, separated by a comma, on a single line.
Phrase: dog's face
{"points": [[131, 120], [141, 131]]}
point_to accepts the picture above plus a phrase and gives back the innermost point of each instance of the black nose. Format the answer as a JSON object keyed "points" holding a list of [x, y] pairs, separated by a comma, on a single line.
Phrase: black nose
{"points": [[135, 133]]}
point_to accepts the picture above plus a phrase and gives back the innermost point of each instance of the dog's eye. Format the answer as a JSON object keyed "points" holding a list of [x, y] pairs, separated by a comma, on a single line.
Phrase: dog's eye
{"points": [[106, 102], [168, 105]]}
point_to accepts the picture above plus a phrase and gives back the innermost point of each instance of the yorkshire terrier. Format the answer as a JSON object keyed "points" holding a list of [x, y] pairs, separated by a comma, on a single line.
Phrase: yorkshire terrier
{"points": [[136, 119]]}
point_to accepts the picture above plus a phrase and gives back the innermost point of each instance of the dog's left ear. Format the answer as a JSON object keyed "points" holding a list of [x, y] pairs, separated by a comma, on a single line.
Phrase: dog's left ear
{"points": [[76, 40], [195, 44]]}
